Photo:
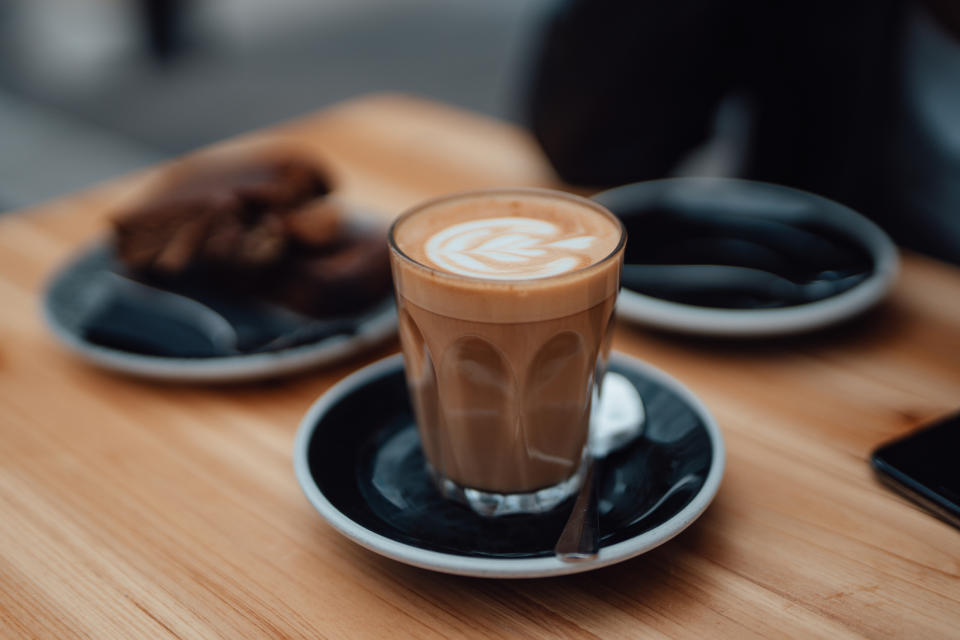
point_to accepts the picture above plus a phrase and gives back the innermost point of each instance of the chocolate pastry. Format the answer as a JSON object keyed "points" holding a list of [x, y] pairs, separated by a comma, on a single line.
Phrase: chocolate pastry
{"points": [[354, 275], [314, 225], [257, 226], [225, 214]]}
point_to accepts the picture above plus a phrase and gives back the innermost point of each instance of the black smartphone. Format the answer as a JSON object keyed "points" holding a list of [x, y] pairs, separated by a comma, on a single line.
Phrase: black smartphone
{"points": [[925, 467]]}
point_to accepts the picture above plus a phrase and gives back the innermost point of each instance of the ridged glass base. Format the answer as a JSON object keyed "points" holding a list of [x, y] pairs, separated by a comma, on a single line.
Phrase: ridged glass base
{"points": [[503, 504]]}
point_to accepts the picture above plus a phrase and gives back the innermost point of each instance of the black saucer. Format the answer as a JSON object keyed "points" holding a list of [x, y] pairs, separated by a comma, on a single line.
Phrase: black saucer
{"points": [[359, 461]]}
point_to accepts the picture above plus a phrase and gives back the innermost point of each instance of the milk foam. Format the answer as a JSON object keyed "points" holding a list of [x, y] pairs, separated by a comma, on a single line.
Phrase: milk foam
{"points": [[504, 256], [512, 248]]}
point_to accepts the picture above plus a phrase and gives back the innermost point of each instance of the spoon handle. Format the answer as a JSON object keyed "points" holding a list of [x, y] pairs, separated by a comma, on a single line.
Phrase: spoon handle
{"points": [[580, 537]]}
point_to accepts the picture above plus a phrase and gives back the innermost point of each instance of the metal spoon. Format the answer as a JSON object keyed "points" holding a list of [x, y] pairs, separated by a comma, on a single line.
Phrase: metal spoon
{"points": [[617, 420]]}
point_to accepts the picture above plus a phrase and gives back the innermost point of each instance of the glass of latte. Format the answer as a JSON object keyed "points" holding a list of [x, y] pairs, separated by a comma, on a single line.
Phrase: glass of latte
{"points": [[506, 302]]}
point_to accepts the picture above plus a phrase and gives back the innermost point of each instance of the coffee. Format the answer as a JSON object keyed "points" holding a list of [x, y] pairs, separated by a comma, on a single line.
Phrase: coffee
{"points": [[506, 301]]}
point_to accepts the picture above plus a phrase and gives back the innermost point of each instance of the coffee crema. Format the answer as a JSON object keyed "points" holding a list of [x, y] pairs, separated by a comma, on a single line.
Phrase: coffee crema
{"points": [[523, 249]]}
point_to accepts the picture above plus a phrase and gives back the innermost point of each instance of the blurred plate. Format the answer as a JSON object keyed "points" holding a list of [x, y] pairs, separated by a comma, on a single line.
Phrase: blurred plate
{"points": [[292, 343], [751, 201]]}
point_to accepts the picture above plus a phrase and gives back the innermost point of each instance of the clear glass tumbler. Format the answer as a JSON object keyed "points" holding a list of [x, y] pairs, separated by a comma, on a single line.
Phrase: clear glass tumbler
{"points": [[506, 305]]}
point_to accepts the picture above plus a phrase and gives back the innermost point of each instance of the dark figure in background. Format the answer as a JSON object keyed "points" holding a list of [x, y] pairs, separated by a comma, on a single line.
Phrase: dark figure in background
{"points": [[856, 100], [164, 25]]}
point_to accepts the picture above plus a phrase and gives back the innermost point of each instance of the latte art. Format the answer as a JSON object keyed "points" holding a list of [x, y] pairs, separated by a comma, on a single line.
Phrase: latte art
{"points": [[508, 249], [541, 244]]}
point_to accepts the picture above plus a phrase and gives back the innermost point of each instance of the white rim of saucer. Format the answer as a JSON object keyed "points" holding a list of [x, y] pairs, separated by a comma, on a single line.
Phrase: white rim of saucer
{"points": [[374, 330], [691, 319], [501, 567]]}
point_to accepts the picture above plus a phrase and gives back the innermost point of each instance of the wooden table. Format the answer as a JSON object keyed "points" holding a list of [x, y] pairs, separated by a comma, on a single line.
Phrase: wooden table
{"points": [[132, 509]]}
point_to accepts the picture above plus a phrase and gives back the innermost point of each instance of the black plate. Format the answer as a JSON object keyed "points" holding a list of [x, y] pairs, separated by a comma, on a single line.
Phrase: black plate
{"points": [[727, 257], [103, 316], [359, 460]]}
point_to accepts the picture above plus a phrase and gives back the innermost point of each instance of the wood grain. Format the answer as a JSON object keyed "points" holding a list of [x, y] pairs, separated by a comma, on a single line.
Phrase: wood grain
{"points": [[131, 509]]}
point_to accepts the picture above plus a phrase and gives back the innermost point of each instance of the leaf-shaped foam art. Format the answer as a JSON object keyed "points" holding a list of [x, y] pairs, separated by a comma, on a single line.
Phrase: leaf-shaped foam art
{"points": [[507, 249]]}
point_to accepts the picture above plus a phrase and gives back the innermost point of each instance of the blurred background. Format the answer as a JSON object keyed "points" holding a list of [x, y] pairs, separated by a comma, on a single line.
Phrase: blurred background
{"points": [[94, 88], [859, 100]]}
